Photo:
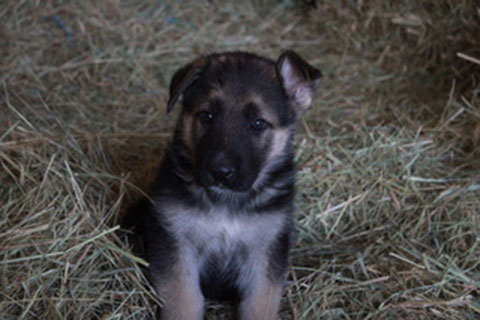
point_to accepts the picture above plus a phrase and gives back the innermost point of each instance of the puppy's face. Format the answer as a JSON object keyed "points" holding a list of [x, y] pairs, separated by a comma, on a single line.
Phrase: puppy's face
{"points": [[239, 114]]}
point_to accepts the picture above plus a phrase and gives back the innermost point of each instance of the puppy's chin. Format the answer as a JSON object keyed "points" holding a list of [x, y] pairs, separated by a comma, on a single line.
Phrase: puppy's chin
{"points": [[221, 189], [221, 194], [234, 187]]}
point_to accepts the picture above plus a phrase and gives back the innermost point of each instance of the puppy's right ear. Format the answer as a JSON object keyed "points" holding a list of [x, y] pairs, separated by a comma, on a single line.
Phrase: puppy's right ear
{"points": [[182, 79], [299, 79]]}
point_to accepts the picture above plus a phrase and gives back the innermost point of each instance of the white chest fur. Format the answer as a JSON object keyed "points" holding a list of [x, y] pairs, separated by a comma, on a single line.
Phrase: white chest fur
{"points": [[220, 229]]}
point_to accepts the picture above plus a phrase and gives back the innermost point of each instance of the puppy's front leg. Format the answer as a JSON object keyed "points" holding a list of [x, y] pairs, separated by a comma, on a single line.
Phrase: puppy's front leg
{"points": [[180, 291], [261, 300]]}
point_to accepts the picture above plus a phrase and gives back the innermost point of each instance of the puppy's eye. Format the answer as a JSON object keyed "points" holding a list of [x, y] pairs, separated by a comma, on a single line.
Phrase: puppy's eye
{"points": [[206, 117], [259, 125]]}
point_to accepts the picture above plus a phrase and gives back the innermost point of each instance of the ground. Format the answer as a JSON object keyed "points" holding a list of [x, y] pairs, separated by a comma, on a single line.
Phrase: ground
{"points": [[388, 156]]}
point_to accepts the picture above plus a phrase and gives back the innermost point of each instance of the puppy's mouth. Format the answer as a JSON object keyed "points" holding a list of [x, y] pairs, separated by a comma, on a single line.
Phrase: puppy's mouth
{"points": [[212, 185], [222, 187]]}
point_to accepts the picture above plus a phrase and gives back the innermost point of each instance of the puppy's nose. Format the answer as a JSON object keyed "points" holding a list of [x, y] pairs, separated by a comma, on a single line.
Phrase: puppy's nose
{"points": [[223, 172]]}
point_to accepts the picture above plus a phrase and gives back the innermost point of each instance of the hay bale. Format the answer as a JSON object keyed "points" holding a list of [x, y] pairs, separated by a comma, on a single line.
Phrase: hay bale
{"points": [[389, 178]]}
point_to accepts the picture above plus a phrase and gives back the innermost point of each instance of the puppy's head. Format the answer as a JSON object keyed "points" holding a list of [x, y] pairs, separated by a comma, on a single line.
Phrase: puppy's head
{"points": [[239, 112]]}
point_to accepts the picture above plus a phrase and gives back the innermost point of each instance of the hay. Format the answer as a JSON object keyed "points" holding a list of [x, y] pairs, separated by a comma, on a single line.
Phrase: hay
{"points": [[389, 176]]}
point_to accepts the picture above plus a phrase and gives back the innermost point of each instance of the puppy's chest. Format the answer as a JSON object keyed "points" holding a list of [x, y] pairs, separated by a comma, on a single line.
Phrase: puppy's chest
{"points": [[221, 230]]}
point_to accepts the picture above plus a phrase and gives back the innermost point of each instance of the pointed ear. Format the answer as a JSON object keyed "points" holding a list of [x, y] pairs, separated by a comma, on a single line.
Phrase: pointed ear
{"points": [[182, 79], [299, 79]]}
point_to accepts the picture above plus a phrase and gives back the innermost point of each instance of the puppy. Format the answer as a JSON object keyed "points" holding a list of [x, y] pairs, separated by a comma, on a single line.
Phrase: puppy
{"points": [[219, 224]]}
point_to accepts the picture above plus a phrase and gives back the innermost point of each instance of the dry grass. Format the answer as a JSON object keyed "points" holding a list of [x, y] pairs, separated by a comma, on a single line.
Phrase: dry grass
{"points": [[389, 171]]}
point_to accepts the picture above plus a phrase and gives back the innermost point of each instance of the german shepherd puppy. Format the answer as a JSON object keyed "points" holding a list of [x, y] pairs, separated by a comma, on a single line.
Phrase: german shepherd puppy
{"points": [[219, 224]]}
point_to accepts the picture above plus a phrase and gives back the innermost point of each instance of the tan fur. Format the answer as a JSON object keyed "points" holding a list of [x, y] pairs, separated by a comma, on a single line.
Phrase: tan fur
{"points": [[264, 302], [279, 141], [188, 122], [181, 293], [266, 112]]}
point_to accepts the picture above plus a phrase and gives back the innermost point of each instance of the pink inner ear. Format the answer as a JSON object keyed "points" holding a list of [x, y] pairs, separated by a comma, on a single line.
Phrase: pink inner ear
{"points": [[298, 90], [303, 95]]}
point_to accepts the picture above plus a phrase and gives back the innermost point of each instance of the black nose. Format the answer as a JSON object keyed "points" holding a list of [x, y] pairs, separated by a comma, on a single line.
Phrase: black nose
{"points": [[223, 172]]}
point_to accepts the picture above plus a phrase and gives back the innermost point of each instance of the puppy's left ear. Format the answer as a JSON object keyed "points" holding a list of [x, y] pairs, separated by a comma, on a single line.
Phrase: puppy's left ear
{"points": [[182, 79], [299, 79]]}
